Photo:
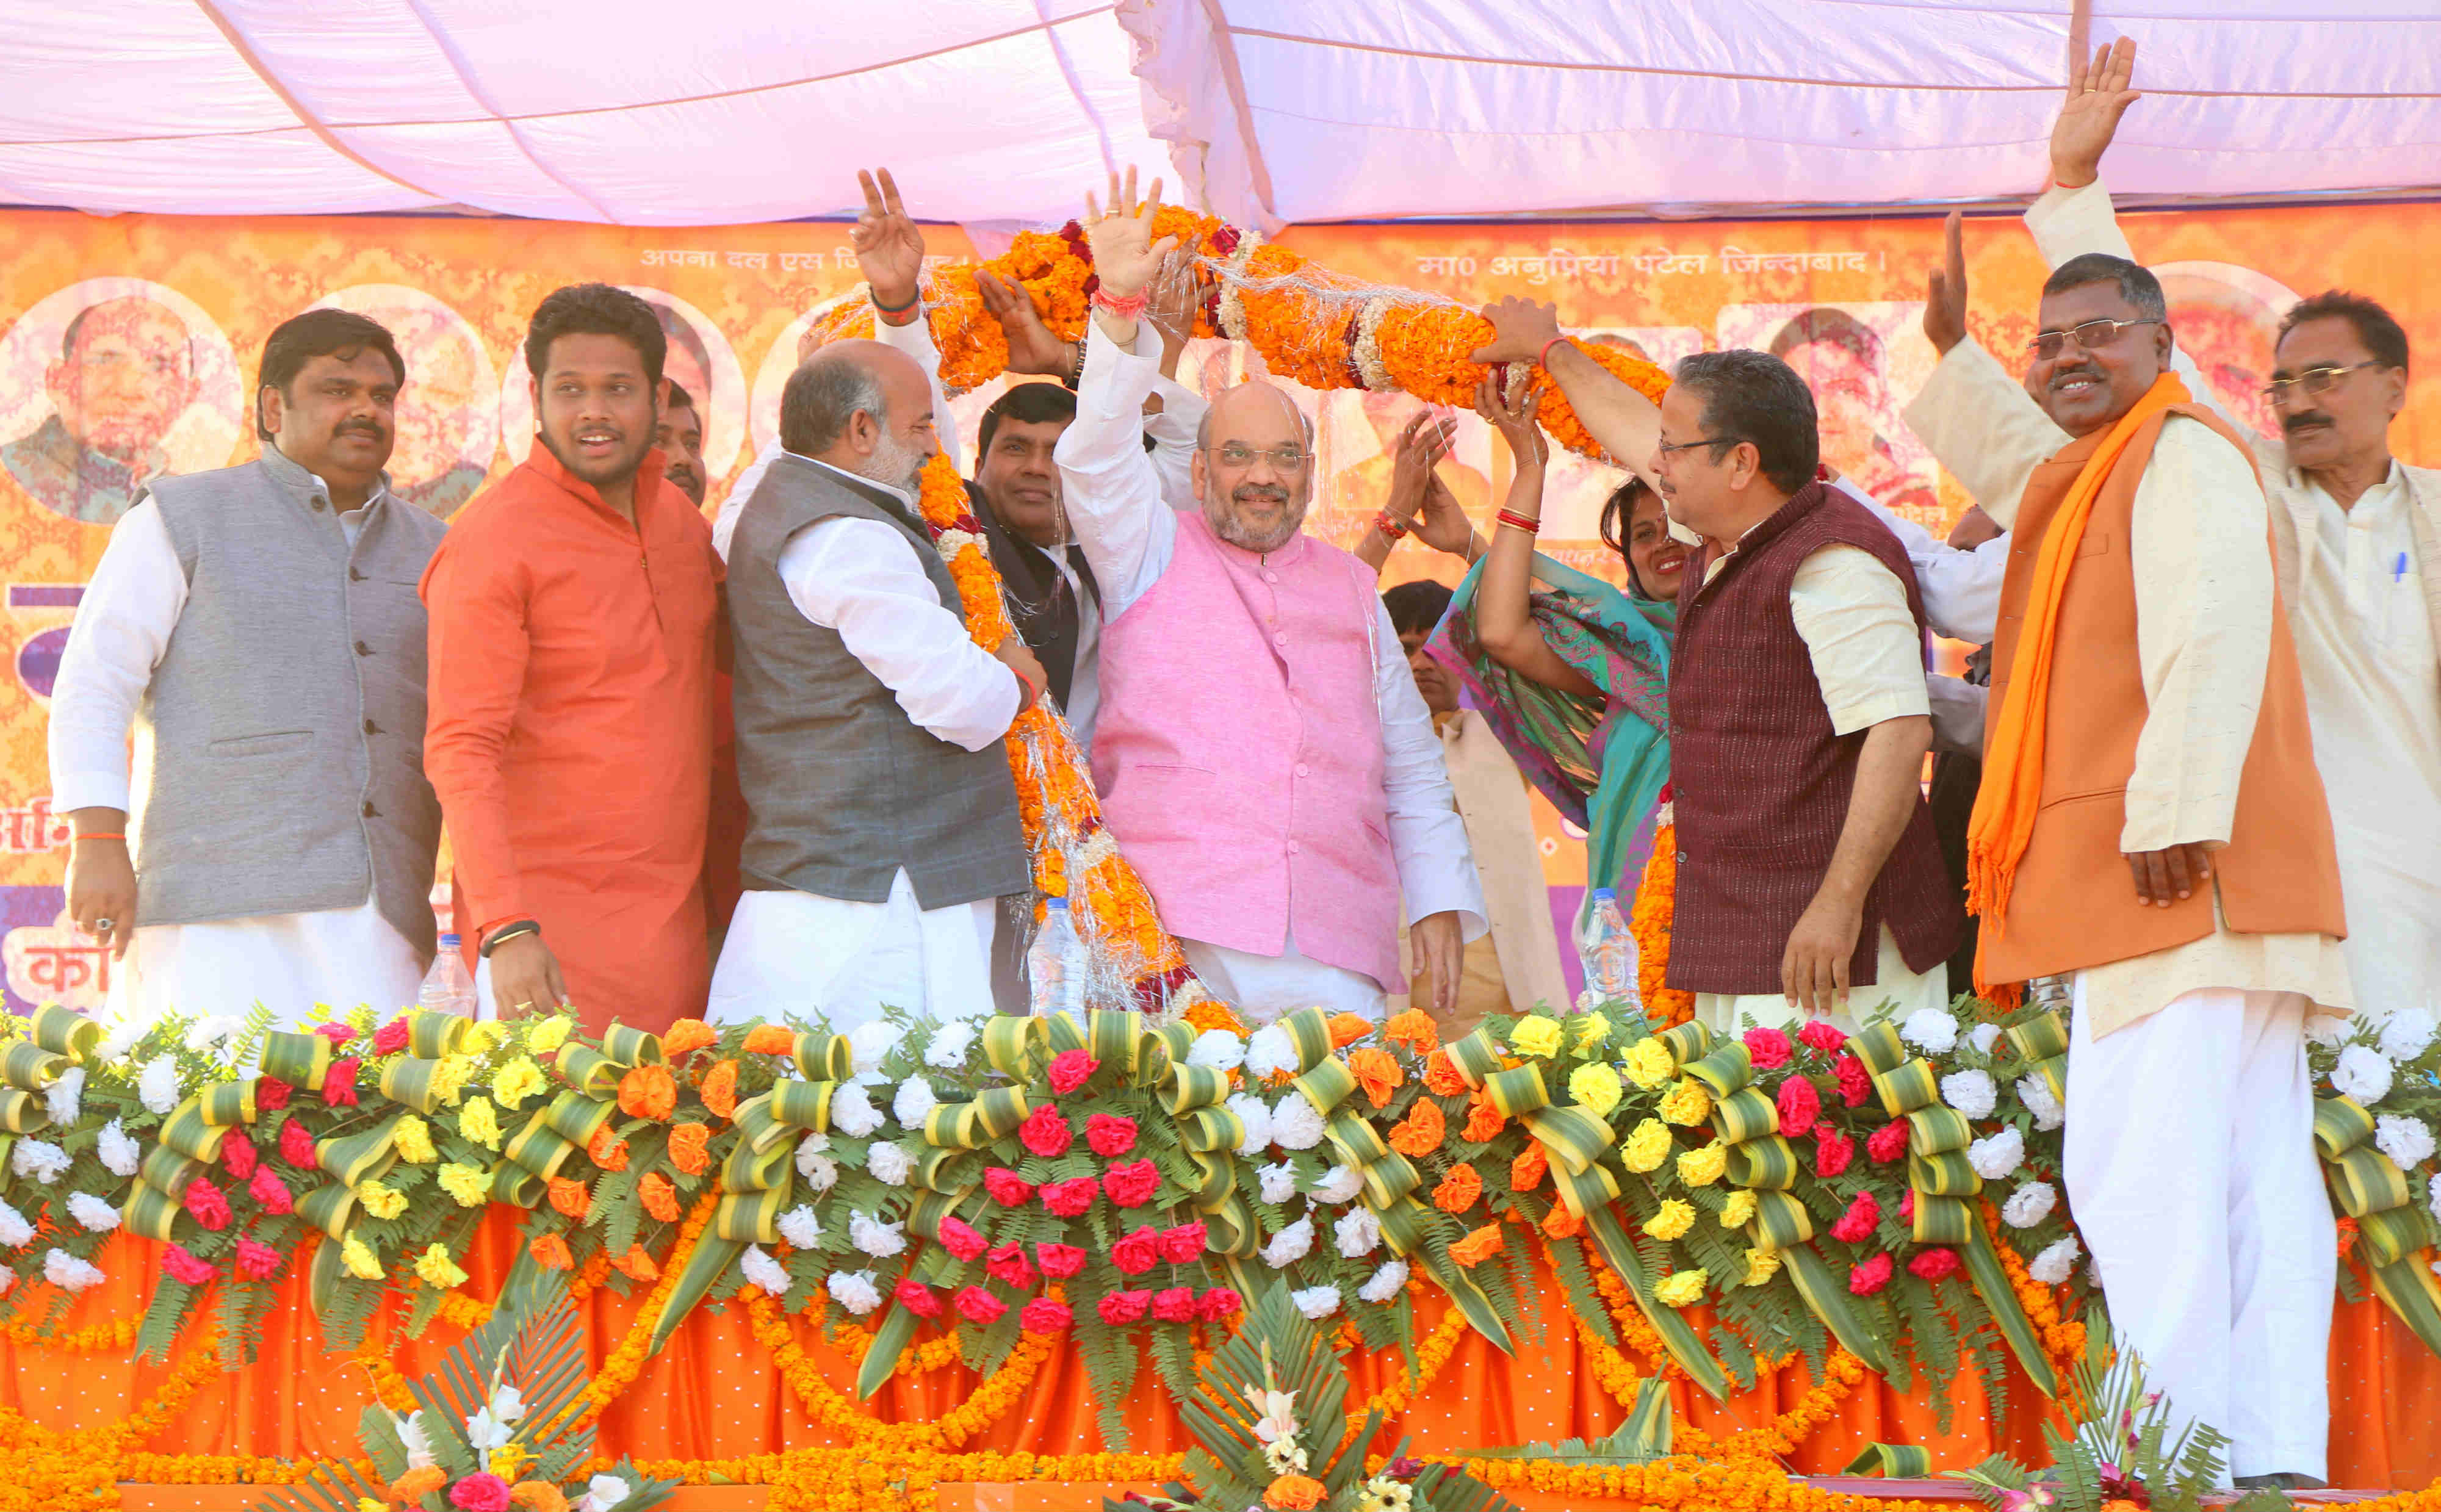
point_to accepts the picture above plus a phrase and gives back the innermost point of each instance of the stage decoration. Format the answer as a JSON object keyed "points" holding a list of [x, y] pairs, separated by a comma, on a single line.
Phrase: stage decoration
{"points": [[2119, 1452], [1648, 921]]}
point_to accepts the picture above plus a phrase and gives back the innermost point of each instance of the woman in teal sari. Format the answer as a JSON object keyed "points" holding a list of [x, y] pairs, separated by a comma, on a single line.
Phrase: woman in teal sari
{"points": [[1571, 674]]}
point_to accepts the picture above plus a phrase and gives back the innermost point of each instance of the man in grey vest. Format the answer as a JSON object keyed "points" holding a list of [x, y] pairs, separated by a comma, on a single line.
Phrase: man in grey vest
{"points": [[260, 627], [884, 826]]}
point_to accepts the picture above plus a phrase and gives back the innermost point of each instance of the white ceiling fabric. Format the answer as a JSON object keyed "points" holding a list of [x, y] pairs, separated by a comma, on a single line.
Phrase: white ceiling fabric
{"points": [[714, 112]]}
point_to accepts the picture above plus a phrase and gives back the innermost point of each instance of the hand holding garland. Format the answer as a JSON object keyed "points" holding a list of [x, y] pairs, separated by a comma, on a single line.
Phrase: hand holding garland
{"points": [[1623, 421], [1504, 615]]}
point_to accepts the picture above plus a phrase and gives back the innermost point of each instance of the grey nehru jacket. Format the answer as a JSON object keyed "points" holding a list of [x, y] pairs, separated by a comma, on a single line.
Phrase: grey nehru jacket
{"points": [[280, 749], [843, 789]]}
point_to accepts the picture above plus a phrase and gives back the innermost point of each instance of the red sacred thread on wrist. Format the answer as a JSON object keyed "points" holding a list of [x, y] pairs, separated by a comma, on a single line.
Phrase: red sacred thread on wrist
{"points": [[1033, 690], [1542, 358], [1519, 522], [1125, 306]]}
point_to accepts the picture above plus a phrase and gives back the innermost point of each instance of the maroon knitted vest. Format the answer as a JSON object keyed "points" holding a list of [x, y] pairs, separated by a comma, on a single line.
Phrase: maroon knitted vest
{"points": [[1761, 781]]}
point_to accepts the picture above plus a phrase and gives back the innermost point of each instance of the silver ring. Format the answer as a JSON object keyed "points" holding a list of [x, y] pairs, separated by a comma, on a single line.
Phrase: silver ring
{"points": [[103, 925]]}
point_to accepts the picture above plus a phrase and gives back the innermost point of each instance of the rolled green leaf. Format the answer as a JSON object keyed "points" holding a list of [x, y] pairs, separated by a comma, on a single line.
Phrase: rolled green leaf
{"points": [[1309, 1030], [1748, 1114], [1938, 1131], [1327, 1086], [23, 1112], [539, 1148], [412, 1081], [2340, 1126], [1571, 1135], [1518, 1091], [1769, 1163], [2392, 1235], [153, 1215], [29, 1066], [1942, 1220], [825, 1057], [1724, 1069], [888, 1341], [189, 1133], [587, 1069], [513, 1184], [1950, 1174], [1907, 1087], [804, 1106], [1879, 1047], [2366, 1181], [1780, 1222], [1356, 1139], [226, 1104], [1900, 1462], [2409, 1289], [1686, 1042], [330, 1207], [1115, 1039], [2041, 1038], [1211, 1128], [360, 1156], [1194, 1086], [1014, 1045], [577, 1118], [748, 1169], [431, 1035], [168, 1170], [302, 1061], [750, 1217], [64, 1032], [710, 1261], [1389, 1179], [633, 1047], [1586, 1191], [1476, 1058]]}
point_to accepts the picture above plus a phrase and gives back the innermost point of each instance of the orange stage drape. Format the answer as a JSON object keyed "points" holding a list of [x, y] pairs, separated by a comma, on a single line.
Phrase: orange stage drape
{"points": [[715, 1393]]}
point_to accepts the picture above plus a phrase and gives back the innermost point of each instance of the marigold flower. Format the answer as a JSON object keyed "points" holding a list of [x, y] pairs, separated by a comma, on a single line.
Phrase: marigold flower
{"points": [[1421, 1131], [466, 1184], [659, 1197], [686, 1036], [437, 1270], [544, 1039], [1526, 1173], [1562, 1224], [1459, 1190], [1704, 1166], [1440, 1076], [1686, 1104], [1644, 1149], [479, 1122], [771, 1040], [648, 1091], [1347, 1029], [551, 1252], [1415, 1029], [1535, 1036], [1762, 1265], [1478, 1246], [573, 1198], [1596, 1088], [719, 1090], [1650, 1063], [515, 1081], [417, 1484], [1377, 1074], [1680, 1289], [1739, 1209], [538, 1496], [637, 1265], [606, 1149], [1297, 1493], [358, 1258], [690, 1147], [380, 1200], [1672, 1221], [1483, 1121]]}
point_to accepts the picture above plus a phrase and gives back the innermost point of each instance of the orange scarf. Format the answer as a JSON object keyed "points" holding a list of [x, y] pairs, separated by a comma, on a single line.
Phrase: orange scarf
{"points": [[2011, 789]]}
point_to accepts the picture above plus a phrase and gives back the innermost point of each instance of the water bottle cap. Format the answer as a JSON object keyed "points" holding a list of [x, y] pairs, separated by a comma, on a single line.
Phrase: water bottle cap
{"points": [[451, 942], [1605, 896], [1056, 904]]}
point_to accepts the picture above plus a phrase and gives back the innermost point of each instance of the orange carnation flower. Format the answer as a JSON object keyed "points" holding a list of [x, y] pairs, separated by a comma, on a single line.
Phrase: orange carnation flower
{"points": [[571, 1198], [1562, 1224], [1483, 1121], [1526, 1173], [648, 1091], [418, 1484], [1440, 1076], [606, 1149], [1477, 1247], [1377, 1073], [1459, 1190], [1421, 1131], [551, 1252], [1414, 1029], [719, 1090], [690, 1146], [686, 1036], [661, 1197], [637, 1265], [1347, 1029], [1297, 1493], [771, 1040]]}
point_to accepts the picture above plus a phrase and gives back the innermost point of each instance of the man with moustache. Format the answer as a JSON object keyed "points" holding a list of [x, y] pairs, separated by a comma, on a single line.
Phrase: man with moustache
{"points": [[259, 625], [2152, 830], [126, 373], [680, 437], [574, 613], [1264, 758]]}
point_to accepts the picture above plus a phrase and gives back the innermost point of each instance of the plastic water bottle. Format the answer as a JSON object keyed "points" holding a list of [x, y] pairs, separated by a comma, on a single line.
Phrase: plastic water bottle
{"points": [[448, 989], [1609, 952], [1055, 963]]}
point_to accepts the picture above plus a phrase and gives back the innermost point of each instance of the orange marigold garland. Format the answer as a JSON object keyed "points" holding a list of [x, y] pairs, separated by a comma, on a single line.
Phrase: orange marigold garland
{"points": [[1650, 921]]}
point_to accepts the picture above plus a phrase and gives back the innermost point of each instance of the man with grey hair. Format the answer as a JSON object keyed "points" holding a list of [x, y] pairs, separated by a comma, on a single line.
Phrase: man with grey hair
{"points": [[1264, 758], [884, 826]]}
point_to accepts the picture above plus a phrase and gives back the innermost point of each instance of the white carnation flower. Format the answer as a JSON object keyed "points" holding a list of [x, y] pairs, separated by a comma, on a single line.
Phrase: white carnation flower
{"points": [[14, 1231], [1343, 1182], [1971, 1092], [1290, 1245], [1218, 1049], [2433, 1195], [947, 1051], [40, 1158], [96, 1214], [69, 1273], [1316, 1302], [1278, 1180], [1983, 1036], [2037, 1094], [1933, 1030], [1294, 1124], [209, 1030], [121, 1154], [1358, 1233], [2029, 1205], [853, 1113], [603, 1493], [819, 1171], [874, 1237], [2364, 1073], [1255, 1116], [1270, 1049], [65, 1095], [801, 1227], [2405, 1139], [122, 1037], [871, 1043], [1997, 1156], [2407, 1034], [915, 1098], [1383, 1284], [854, 1291], [157, 1086], [889, 1164], [763, 1270], [2056, 1262]]}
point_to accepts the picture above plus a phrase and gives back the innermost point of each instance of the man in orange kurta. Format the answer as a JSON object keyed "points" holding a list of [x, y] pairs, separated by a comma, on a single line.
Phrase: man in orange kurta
{"points": [[575, 610]]}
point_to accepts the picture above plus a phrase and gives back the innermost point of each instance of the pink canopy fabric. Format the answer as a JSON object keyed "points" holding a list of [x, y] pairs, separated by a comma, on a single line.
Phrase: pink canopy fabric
{"points": [[703, 112]]}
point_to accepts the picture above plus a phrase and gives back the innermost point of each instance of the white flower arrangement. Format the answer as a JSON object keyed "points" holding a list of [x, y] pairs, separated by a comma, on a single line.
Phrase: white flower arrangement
{"points": [[853, 1113], [1255, 1117], [1342, 1183], [1358, 1233], [1290, 1245], [874, 1238], [1278, 1181], [1997, 1157], [66, 1096], [2407, 1034], [156, 1085], [1316, 1302], [2029, 1205], [2037, 1094], [1385, 1284], [948, 1049], [2364, 1073], [1971, 1092], [69, 1273], [2056, 1263], [91, 1213], [1294, 1124], [1931, 1030], [889, 1165], [1217, 1049], [854, 1291], [763, 1270], [914, 1099], [2404, 1138]]}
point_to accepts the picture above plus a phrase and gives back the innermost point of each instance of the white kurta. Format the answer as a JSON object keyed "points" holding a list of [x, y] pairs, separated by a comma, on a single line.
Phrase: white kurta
{"points": [[1860, 636], [1116, 503], [796, 954], [290, 962]]}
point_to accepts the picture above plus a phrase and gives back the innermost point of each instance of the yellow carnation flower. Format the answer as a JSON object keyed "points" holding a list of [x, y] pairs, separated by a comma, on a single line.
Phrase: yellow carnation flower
{"points": [[477, 1122], [467, 1183], [1762, 1265], [1687, 1104], [552, 1033], [1672, 1221], [1535, 1036], [1596, 1087], [450, 1075], [1703, 1167], [381, 1201], [1650, 1063], [1680, 1289], [1645, 1150], [360, 1260], [412, 1139], [1593, 1032], [515, 1082], [366, 1504], [438, 1270], [1739, 1211]]}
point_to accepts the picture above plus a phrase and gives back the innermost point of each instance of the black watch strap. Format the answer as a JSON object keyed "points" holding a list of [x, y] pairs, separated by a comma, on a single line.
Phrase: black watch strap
{"points": [[506, 931]]}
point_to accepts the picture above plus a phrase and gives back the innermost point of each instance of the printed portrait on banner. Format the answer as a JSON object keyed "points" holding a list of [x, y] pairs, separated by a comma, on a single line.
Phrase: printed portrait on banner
{"points": [[108, 384], [1859, 359], [449, 428], [2226, 317], [1354, 432], [699, 360]]}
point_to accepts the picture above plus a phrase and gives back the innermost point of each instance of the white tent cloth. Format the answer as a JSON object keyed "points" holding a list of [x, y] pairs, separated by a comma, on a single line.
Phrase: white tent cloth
{"points": [[1001, 111]]}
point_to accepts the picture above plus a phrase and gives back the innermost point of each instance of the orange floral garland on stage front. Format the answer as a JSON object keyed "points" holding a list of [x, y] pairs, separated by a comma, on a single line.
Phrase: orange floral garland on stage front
{"points": [[1656, 909]]}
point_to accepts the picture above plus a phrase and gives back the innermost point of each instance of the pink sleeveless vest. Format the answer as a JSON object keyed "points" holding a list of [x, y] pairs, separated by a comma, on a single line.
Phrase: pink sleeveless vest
{"points": [[1239, 752]]}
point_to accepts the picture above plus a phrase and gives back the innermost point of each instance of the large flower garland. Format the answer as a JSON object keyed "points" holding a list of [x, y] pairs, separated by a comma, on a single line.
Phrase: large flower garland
{"points": [[1650, 920]]}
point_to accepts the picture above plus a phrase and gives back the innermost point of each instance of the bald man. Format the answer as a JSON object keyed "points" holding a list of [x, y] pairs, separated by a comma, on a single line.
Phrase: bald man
{"points": [[1264, 758], [125, 375], [884, 826]]}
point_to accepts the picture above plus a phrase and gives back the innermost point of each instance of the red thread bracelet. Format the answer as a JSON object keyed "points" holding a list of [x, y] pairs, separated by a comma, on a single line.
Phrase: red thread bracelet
{"points": [[1126, 307], [1541, 358]]}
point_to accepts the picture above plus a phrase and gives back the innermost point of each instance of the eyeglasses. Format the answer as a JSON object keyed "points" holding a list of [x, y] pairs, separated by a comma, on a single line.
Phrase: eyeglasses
{"points": [[2091, 336], [1665, 448], [1237, 457], [2313, 380]]}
